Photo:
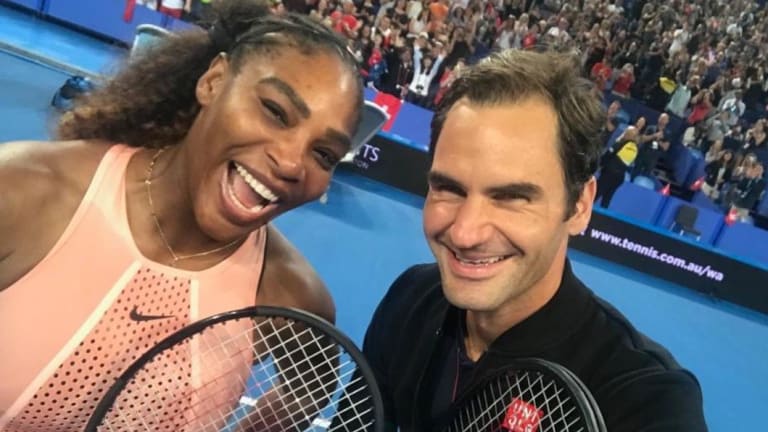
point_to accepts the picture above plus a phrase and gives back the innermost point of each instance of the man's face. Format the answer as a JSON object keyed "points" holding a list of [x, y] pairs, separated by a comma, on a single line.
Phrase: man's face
{"points": [[494, 214]]}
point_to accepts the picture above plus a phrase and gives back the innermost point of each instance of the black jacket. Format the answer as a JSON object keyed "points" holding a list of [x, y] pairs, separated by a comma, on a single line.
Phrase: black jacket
{"points": [[749, 192], [713, 169], [636, 382]]}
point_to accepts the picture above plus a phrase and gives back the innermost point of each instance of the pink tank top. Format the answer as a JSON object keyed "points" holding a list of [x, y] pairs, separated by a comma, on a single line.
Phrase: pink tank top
{"points": [[72, 324]]}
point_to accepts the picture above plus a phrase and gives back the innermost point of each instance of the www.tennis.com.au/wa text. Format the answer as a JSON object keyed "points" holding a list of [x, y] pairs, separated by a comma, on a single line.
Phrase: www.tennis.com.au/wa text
{"points": [[651, 252]]}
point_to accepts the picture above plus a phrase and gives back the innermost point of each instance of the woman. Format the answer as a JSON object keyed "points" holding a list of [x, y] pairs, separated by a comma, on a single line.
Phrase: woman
{"points": [[154, 209], [448, 78], [756, 138], [624, 81], [423, 73], [419, 24], [717, 173]]}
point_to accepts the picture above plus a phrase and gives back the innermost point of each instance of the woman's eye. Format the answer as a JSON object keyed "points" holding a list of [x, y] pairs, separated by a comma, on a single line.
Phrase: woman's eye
{"points": [[326, 158], [275, 111]]}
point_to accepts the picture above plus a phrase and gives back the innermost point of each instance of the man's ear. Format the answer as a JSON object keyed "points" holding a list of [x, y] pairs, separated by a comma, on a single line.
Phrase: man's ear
{"points": [[211, 82], [583, 209]]}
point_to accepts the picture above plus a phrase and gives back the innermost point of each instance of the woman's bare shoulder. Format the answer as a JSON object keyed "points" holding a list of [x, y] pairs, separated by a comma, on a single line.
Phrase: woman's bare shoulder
{"points": [[289, 280], [41, 186]]}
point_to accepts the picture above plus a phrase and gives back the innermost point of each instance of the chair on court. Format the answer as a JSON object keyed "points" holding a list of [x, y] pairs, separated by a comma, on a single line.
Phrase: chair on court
{"points": [[146, 35], [645, 182], [684, 222]]}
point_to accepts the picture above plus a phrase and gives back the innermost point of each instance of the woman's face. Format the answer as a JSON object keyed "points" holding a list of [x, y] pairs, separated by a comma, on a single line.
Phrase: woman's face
{"points": [[267, 137]]}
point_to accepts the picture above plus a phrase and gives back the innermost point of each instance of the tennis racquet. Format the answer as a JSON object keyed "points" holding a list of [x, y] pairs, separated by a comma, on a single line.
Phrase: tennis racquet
{"points": [[528, 395], [256, 369]]}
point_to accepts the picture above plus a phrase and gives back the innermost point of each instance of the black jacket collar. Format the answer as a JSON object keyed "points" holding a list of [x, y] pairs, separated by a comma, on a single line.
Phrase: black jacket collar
{"points": [[557, 320]]}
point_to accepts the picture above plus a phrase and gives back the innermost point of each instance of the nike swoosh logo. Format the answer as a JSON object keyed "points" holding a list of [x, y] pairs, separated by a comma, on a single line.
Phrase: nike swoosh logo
{"points": [[136, 316]]}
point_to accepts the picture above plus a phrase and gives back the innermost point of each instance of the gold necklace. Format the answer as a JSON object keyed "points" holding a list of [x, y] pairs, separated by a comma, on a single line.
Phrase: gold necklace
{"points": [[176, 258]]}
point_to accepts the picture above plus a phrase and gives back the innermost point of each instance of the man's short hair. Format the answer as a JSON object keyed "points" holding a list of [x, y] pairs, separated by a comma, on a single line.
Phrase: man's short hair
{"points": [[513, 75]]}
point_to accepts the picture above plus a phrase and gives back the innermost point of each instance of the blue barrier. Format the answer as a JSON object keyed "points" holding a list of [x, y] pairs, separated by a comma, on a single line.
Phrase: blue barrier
{"points": [[745, 241], [708, 223], [702, 201], [680, 161], [174, 24], [639, 203], [647, 182], [104, 17], [29, 4], [413, 122]]}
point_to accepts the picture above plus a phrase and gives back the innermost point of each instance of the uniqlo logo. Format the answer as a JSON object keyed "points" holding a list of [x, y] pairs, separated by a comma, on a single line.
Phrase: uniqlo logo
{"points": [[522, 417]]}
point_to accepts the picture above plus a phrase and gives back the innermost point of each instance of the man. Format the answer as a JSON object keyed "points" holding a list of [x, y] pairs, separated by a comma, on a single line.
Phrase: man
{"points": [[515, 143], [654, 143], [614, 165]]}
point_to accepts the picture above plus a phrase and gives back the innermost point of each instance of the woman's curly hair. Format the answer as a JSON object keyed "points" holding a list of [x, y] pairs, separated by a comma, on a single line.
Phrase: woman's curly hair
{"points": [[152, 101]]}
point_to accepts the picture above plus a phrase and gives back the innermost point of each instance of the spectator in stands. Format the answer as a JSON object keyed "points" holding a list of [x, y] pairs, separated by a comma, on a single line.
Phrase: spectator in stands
{"points": [[653, 145], [400, 14], [611, 121], [439, 11], [558, 35], [624, 81], [375, 66], [345, 20], [175, 8], [717, 173], [531, 38], [400, 69], [678, 103], [755, 94], [277, 7], [601, 73], [716, 129], [461, 46], [640, 125], [614, 166], [649, 76], [424, 71], [449, 76], [714, 152], [419, 23], [733, 106], [508, 36], [749, 191], [755, 142], [701, 106]]}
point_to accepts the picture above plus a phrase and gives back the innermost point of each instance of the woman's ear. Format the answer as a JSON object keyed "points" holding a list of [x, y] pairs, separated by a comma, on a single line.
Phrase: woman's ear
{"points": [[210, 83]]}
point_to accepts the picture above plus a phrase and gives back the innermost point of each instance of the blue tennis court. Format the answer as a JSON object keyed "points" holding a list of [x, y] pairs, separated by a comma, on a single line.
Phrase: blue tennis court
{"points": [[368, 233]]}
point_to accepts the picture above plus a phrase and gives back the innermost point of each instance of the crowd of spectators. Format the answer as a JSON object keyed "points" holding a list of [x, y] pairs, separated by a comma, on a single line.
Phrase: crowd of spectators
{"points": [[702, 63]]}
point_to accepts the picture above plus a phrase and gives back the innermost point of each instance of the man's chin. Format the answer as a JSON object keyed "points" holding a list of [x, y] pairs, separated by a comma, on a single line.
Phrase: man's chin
{"points": [[474, 301]]}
